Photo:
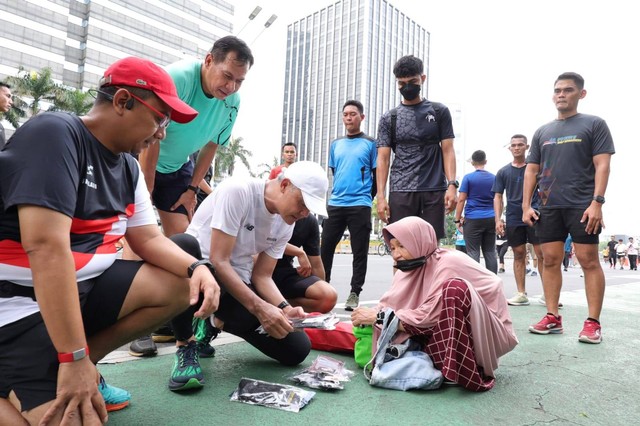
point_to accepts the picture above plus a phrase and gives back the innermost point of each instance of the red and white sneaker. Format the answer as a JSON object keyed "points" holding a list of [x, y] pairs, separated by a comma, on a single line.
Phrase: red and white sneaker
{"points": [[591, 332], [549, 324]]}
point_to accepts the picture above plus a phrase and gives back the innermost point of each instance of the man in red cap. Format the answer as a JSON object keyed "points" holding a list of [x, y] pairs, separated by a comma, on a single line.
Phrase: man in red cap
{"points": [[69, 190]]}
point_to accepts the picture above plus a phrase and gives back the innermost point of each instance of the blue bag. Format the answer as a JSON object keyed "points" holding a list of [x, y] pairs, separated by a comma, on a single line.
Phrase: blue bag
{"points": [[401, 366]]}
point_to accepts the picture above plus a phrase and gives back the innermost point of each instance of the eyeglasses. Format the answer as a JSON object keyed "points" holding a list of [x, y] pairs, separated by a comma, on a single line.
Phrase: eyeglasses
{"points": [[164, 118]]}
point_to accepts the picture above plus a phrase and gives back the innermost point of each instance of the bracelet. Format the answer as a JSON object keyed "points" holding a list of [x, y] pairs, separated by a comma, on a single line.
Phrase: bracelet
{"points": [[193, 188], [73, 356], [283, 304], [456, 221]]}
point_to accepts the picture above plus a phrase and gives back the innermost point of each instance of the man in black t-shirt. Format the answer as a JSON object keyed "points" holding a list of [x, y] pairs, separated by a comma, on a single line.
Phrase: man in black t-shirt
{"points": [[69, 190], [613, 256], [305, 285], [422, 181], [569, 161]]}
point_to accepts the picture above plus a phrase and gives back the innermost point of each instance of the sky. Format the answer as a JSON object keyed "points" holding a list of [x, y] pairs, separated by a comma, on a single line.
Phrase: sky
{"points": [[498, 60]]}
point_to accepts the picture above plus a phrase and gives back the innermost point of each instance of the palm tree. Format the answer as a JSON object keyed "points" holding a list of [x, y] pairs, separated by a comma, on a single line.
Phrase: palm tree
{"points": [[72, 100], [226, 158], [266, 167], [39, 86]]}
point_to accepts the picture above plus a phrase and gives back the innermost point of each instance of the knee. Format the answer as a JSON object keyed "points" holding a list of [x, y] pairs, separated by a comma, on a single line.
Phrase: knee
{"points": [[188, 243], [299, 347]]}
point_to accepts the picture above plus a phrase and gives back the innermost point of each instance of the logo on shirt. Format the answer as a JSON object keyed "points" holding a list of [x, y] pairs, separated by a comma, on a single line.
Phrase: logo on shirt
{"points": [[86, 180], [430, 118], [249, 227]]}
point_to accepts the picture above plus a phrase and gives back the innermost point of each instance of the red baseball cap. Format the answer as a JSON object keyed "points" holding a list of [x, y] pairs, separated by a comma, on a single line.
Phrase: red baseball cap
{"points": [[137, 72]]}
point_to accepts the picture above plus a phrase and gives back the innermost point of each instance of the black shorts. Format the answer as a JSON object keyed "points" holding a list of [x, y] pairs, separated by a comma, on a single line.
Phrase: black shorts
{"points": [[427, 205], [168, 187], [28, 359], [519, 235], [291, 284], [556, 224]]}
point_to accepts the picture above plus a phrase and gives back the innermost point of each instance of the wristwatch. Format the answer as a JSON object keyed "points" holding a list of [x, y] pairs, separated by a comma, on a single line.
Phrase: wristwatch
{"points": [[454, 183], [205, 262], [380, 317], [283, 304], [598, 199], [194, 189]]}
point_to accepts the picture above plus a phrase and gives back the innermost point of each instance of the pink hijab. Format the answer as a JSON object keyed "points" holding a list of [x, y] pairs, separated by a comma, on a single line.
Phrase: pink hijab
{"points": [[415, 296]]}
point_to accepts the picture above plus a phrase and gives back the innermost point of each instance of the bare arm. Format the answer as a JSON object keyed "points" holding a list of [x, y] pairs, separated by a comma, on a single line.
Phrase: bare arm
{"points": [[271, 318], [449, 162], [593, 214], [188, 198], [45, 237], [498, 205], [459, 208], [529, 216], [305, 266], [148, 159], [382, 174], [153, 247], [317, 267]]}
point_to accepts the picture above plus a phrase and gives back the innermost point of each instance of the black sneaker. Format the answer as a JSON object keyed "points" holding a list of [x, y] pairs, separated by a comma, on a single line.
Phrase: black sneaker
{"points": [[186, 373], [144, 346], [204, 333], [163, 335]]}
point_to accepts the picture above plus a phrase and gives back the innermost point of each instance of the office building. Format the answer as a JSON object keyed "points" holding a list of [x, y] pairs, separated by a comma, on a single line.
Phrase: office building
{"points": [[79, 39], [344, 51]]}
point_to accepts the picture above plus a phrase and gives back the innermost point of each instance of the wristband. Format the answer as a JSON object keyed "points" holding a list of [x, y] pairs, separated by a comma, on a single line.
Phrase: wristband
{"points": [[456, 221], [283, 304], [73, 356], [194, 189]]}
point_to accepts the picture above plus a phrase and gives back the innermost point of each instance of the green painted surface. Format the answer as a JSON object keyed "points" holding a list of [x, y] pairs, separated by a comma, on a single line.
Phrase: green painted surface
{"points": [[546, 379]]}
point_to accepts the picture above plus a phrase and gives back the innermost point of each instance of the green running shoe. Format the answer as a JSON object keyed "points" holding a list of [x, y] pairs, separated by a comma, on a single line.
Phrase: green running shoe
{"points": [[204, 333], [186, 373]]}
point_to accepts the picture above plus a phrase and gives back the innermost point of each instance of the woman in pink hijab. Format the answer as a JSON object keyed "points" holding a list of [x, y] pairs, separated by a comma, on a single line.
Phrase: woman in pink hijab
{"points": [[446, 301]]}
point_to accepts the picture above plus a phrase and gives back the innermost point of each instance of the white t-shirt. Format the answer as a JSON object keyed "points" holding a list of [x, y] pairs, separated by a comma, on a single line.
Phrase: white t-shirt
{"points": [[632, 249], [236, 207]]}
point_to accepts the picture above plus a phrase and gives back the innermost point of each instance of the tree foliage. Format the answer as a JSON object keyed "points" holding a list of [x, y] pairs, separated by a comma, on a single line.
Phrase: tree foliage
{"points": [[226, 156], [33, 89]]}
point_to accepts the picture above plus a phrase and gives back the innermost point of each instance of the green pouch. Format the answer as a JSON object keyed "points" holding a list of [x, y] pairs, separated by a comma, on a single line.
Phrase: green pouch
{"points": [[364, 342]]}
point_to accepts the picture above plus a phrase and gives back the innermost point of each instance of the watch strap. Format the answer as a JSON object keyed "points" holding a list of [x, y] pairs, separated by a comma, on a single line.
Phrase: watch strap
{"points": [[283, 304], [73, 356], [197, 263], [193, 188]]}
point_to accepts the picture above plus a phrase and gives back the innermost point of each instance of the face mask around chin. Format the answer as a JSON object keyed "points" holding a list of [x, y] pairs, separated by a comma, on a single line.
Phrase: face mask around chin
{"points": [[410, 91], [409, 265]]}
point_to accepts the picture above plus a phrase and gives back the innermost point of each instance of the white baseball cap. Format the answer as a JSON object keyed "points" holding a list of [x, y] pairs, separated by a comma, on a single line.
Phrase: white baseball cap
{"points": [[312, 181]]}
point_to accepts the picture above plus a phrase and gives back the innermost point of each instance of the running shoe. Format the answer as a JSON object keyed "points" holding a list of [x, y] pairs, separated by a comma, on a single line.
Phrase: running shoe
{"points": [[205, 332], [520, 299], [591, 332], [186, 373], [549, 324], [352, 302], [114, 398]]}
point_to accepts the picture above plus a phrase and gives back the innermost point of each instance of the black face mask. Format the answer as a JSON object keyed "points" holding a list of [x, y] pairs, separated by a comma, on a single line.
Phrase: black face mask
{"points": [[409, 265], [410, 91]]}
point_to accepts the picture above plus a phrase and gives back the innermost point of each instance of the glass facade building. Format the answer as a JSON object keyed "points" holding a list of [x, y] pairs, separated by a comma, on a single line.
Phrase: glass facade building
{"points": [[345, 51], [79, 39]]}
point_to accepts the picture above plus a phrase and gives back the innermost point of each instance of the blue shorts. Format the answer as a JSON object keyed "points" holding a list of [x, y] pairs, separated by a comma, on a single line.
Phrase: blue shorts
{"points": [[168, 187], [556, 224]]}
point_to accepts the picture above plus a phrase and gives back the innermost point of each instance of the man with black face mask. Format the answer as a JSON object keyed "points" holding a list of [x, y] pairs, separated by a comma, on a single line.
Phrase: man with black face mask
{"points": [[420, 133]]}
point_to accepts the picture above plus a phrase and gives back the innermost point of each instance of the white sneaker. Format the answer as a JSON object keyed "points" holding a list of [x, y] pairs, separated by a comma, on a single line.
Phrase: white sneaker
{"points": [[520, 299]]}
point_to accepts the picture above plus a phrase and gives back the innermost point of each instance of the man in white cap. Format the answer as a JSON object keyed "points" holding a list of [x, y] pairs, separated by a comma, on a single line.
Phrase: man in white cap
{"points": [[241, 220]]}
